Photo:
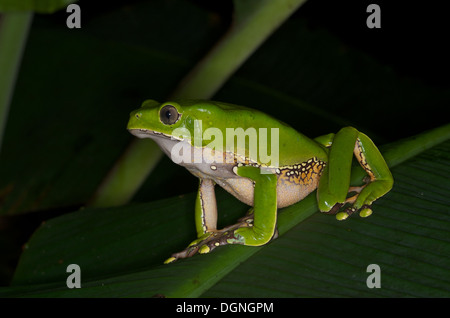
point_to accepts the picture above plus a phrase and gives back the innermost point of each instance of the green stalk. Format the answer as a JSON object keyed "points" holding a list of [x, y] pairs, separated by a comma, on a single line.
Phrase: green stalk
{"points": [[255, 21], [402, 150], [397, 152], [14, 28], [128, 174]]}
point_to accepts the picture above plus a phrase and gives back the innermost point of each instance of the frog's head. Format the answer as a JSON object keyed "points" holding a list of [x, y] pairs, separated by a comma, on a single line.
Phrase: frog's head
{"points": [[156, 119]]}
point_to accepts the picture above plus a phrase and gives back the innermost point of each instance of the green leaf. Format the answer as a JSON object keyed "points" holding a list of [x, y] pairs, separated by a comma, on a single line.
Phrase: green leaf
{"points": [[120, 250]]}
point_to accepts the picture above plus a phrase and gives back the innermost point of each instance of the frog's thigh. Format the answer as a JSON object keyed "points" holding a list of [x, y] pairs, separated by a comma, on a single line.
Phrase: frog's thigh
{"points": [[381, 180], [205, 208], [265, 208], [335, 179]]}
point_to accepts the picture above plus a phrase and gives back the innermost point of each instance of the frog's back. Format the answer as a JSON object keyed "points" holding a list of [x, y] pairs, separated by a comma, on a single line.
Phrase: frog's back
{"points": [[293, 147]]}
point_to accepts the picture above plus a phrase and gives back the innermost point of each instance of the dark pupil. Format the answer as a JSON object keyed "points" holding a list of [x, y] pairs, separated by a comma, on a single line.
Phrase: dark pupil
{"points": [[168, 114]]}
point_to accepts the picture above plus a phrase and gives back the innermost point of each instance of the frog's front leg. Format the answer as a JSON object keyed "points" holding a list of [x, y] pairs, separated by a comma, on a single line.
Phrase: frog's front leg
{"points": [[264, 223], [334, 184], [258, 227]]}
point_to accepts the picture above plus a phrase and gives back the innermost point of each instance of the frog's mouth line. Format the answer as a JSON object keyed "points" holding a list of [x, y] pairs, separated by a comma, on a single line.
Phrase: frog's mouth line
{"points": [[162, 139], [146, 133]]}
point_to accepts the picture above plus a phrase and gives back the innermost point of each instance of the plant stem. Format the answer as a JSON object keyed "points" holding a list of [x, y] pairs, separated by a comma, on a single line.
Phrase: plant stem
{"points": [[253, 24]]}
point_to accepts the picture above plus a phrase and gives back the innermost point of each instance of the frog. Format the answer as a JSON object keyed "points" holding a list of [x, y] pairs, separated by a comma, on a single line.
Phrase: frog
{"points": [[195, 134]]}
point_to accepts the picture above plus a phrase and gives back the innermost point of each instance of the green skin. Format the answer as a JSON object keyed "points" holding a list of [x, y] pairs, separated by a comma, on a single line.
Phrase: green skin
{"points": [[303, 165]]}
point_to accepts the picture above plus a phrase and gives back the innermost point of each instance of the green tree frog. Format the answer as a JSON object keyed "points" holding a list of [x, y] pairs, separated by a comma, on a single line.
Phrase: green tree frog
{"points": [[228, 145]]}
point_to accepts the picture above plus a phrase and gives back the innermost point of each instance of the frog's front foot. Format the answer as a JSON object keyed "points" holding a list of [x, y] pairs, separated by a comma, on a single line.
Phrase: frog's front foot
{"points": [[209, 241]]}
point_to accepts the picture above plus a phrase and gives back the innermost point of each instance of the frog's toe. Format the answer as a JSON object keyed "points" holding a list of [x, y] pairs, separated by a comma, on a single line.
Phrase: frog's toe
{"points": [[188, 252], [341, 216], [170, 260], [364, 212], [204, 249]]}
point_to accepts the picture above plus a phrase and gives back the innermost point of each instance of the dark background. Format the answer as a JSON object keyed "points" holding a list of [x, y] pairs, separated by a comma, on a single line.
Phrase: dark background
{"points": [[66, 126]]}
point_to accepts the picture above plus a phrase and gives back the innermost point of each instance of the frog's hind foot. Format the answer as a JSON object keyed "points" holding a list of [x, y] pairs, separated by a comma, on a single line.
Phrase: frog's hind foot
{"points": [[209, 241], [364, 211], [353, 193]]}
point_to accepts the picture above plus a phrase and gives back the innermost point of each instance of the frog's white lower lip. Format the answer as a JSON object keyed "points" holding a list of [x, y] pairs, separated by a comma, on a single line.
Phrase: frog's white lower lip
{"points": [[146, 133], [143, 133]]}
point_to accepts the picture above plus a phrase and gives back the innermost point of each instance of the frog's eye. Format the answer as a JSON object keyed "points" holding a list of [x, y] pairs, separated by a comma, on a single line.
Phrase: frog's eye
{"points": [[169, 115]]}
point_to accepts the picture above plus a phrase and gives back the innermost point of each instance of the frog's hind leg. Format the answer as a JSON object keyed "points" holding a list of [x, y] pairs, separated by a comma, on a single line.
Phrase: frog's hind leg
{"points": [[380, 180], [334, 184], [205, 220], [257, 228]]}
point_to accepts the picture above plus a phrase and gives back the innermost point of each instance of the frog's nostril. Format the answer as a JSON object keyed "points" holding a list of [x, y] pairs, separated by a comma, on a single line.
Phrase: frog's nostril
{"points": [[138, 115]]}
